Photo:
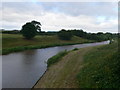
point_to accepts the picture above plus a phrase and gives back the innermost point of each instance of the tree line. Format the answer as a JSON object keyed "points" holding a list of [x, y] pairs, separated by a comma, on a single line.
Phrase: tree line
{"points": [[100, 36], [33, 28]]}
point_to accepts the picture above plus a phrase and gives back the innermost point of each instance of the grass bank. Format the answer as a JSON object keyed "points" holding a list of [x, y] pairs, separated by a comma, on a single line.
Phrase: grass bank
{"points": [[58, 57], [62, 73], [101, 68], [91, 67], [15, 42]]}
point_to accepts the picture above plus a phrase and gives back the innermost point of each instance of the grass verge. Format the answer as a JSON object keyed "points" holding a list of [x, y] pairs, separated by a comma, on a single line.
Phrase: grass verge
{"points": [[95, 67], [62, 74], [56, 58], [101, 68]]}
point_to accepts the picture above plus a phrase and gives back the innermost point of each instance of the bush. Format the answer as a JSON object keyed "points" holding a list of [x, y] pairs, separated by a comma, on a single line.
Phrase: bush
{"points": [[64, 35], [75, 49]]}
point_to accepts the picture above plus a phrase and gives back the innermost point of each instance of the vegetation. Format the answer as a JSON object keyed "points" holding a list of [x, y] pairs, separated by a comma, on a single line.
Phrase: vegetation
{"points": [[15, 42], [37, 25], [91, 67], [101, 68], [63, 73], [10, 32], [38, 33], [29, 30], [64, 35], [75, 49], [56, 58], [100, 36]]}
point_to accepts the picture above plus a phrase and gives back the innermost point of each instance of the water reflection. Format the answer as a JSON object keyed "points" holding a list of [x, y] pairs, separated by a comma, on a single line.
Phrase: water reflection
{"points": [[29, 57]]}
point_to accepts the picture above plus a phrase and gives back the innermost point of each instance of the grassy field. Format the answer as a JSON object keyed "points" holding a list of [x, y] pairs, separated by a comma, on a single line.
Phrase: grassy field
{"points": [[15, 42], [91, 67]]}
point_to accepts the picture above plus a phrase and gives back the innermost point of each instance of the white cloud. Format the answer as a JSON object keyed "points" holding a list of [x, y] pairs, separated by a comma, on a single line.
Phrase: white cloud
{"points": [[17, 14]]}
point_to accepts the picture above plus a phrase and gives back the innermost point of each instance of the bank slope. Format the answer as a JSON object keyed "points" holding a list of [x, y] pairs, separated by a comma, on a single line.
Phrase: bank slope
{"points": [[101, 68], [91, 67], [62, 74], [15, 42]]}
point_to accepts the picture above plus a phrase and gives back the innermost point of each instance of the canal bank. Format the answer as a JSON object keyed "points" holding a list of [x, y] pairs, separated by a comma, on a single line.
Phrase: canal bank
{"points": [[84, 68], [63, 73]]}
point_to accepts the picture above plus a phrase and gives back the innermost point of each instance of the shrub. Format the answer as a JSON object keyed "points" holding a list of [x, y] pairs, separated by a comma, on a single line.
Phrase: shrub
{"points": [[64, 35]]}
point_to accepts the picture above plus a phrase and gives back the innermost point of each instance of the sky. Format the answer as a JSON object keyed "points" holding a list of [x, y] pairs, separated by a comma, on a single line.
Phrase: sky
{"points": [[54, 16]]}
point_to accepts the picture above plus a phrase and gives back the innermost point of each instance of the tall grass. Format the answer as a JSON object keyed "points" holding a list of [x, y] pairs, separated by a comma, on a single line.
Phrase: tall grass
{"points": [[56, 58], [101, 68]]}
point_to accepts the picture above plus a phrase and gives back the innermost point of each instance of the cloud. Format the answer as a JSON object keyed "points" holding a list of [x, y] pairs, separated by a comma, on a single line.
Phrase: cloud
{"points": [[86, 8], [92, 17]]}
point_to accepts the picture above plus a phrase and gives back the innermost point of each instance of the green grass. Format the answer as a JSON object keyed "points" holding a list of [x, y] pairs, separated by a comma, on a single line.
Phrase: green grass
{"points": [[56, 58], [15, 42], [101, 68], [75, 49]]}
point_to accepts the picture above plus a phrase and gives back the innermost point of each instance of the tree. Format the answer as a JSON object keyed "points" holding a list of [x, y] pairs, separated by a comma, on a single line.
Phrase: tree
{"points": [[64, 35], [29, 30], [100, 33], [37, 25], [79, 33]]}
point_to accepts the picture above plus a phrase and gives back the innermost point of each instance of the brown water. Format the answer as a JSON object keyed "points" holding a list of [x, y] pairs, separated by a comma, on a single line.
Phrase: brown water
{"points": [[23, 69]]}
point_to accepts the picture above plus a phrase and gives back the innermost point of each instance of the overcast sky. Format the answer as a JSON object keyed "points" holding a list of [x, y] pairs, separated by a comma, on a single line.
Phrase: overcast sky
{"points": [[54, 16]]}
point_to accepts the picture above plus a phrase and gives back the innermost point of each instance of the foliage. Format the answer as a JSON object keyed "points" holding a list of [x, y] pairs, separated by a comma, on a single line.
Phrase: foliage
{"points": [[58, 57], [47, 33], [37, 25], [29, 30], [64, 35], [75, 49], [11, 32], [101, 68], [100, 36]]}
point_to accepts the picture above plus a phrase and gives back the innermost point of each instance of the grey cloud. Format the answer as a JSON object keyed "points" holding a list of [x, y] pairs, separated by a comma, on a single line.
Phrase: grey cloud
{"points": [[84, 8], [21, 8], [70, 8]]}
